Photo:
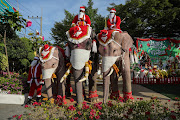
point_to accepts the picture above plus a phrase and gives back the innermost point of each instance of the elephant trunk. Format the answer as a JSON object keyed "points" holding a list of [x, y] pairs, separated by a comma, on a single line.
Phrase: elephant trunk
{"points": [[86, 72], [66, 74]]}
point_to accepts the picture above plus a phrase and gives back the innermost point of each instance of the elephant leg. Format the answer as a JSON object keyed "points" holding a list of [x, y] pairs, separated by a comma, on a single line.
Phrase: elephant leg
{"points": [[106, 82], [69, 89], [115, 93], [127, 90], [61, 91], [93, 97], [49, 88], [78, 85]]}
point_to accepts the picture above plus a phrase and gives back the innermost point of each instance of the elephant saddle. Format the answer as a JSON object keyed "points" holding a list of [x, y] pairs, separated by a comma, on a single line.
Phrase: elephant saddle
{"points": [[106, 36], [78, 34]]}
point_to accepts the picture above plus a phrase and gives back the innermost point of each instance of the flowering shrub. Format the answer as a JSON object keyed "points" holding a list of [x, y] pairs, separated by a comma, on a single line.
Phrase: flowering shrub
{"points": [[139, 110], [16, 85]]}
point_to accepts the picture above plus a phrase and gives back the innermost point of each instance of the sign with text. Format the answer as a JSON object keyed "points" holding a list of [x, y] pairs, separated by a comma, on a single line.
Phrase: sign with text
{"points": [[158, 49]]}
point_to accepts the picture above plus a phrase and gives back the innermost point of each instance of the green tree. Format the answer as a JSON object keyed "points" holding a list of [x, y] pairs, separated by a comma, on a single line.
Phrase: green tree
{"points": [[11, 20], [150, 18]]}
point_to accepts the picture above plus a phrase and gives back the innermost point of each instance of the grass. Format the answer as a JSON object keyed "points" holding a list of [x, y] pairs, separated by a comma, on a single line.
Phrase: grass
{"points": [[170, 90]]}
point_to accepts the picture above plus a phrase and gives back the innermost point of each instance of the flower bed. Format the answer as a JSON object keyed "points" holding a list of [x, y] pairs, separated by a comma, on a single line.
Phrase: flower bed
{"points": [[13, 91], [16, 85], [138, 110]]}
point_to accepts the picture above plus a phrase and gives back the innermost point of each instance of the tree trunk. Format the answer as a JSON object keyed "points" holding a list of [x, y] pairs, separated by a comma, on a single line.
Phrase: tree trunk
{"points": [[9, 75]]}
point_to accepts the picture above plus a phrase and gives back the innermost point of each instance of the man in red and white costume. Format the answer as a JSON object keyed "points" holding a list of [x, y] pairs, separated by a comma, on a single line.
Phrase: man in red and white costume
{"points": [[34, 79], [114, 21], [81, 18]]}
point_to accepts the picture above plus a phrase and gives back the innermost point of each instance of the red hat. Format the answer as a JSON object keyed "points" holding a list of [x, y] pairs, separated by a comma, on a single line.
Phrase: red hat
{"points": [[113, 10], [82, 8], [46, 47]]}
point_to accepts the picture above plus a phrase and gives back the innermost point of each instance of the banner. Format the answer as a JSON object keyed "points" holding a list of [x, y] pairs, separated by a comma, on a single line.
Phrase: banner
{"points": [[5, 5], [158, 49]]}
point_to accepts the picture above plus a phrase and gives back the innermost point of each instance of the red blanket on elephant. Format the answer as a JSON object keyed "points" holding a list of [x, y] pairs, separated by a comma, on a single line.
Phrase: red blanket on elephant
{"points": [[78, 34], [106, 36]]}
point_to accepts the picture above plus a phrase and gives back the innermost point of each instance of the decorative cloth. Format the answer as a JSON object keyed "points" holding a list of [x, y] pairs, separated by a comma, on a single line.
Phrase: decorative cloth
{"points": [[106, 36], [78, 62], [79, 34]]}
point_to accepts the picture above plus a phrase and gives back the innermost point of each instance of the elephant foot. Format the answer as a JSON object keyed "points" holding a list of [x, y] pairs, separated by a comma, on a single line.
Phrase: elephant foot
{"points": [[128, 96], [93, 97], [115, 95], [94, 100], [69, 90]]}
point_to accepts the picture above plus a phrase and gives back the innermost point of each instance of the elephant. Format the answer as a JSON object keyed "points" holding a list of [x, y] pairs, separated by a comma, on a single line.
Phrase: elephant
{"points": [[114, 49], [79, 53], [53, 64]]}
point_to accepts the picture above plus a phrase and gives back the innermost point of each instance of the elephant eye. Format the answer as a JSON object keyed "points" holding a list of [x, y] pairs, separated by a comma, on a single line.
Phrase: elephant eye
{"points": [[114, 51], [53, 65]]}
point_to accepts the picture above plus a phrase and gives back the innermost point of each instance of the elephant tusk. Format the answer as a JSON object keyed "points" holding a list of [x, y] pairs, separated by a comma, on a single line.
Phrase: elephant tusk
{"points": [[110, 72], [66, 74], [86, 73]]}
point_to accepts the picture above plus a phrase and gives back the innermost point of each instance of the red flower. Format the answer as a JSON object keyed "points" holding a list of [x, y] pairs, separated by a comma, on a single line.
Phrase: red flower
{"points": [[126, 116], [176, 98], [138, 98], [59, 97], [173, 117], [14, 116], [26, 106], [100, 113], [60, 104], [147, 113], [169, 100], [91, 117], [35, 103], [76, 118], [39, 103], [72, 108], [148, 44], [110, 104], [79, 112], [99, 103], [84, 103], [72, 100], [19, 116], [141, 98], [97, 117]]}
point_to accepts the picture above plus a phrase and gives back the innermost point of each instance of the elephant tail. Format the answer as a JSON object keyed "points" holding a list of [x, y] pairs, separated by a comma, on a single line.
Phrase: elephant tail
{"points": [[66, 74]]}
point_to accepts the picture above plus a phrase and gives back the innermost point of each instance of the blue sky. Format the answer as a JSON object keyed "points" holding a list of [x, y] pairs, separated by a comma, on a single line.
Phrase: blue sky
{"points": [[53, 11]]}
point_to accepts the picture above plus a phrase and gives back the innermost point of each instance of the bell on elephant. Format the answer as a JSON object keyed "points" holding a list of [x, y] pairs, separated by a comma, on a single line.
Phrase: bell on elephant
{"points": [[115, 59]]}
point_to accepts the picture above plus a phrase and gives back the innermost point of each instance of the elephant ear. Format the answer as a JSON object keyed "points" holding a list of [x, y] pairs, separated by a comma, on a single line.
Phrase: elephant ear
{"points": [[127, 41]]}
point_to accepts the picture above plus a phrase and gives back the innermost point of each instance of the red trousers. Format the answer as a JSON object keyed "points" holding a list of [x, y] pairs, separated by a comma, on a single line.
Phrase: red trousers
{"points": [[33, 88]]}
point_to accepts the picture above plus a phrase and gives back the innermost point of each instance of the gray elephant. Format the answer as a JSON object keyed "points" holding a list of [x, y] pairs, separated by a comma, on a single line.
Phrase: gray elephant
{"points": [[53, 66], [79, 50], [114, 48]]}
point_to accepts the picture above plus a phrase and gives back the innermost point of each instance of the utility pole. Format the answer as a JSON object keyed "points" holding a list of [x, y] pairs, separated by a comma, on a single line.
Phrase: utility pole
{"points": [[40, 21]]}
